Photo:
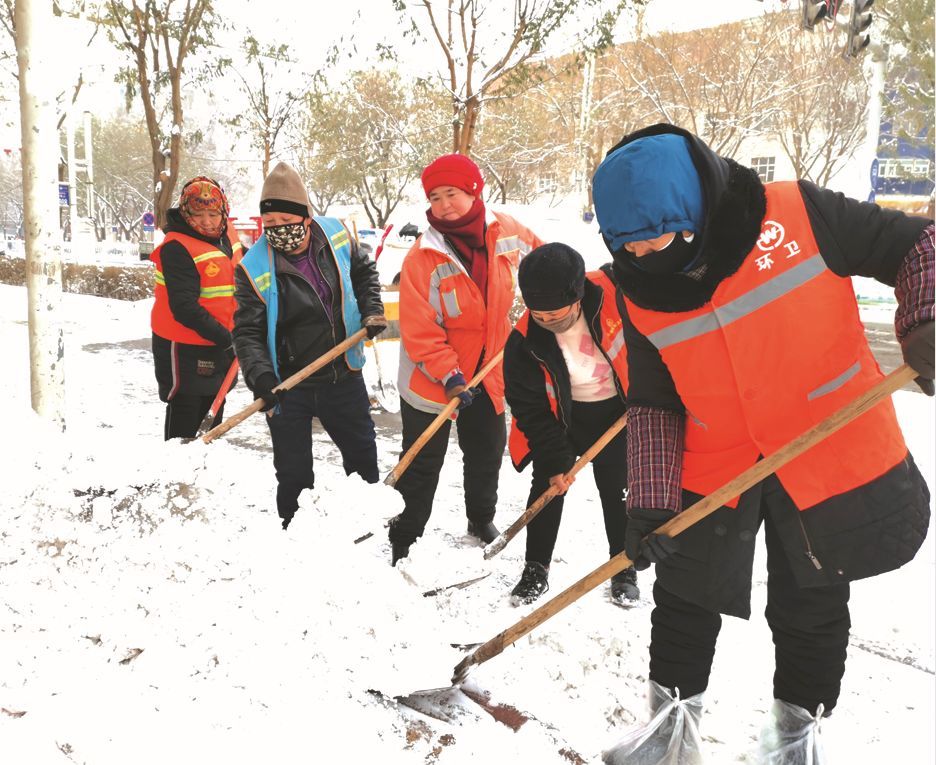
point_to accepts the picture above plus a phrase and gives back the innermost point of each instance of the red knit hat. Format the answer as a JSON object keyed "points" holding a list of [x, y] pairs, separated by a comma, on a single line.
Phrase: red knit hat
{"points": [[453, 170]]}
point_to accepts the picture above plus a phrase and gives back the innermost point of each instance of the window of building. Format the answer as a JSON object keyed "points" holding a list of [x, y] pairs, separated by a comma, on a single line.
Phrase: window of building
{"points": [[764, 167], [905, 168], [547, 184]]}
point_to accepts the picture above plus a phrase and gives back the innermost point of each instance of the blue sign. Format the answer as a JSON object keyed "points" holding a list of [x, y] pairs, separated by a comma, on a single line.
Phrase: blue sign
{"points": [[874, 178], [149, 219], [64, 199]]}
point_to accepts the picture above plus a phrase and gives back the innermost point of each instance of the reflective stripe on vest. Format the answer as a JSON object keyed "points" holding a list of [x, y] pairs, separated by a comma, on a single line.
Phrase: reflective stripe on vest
{"points": [[216, 290], [340, 247], [779, 347]]}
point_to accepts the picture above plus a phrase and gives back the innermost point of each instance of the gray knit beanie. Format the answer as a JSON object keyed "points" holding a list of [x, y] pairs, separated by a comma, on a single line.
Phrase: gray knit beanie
{"points": [[284, 191]]}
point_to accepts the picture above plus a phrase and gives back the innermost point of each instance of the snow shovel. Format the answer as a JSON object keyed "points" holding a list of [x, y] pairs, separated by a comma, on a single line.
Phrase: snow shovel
{"points": [[394, 475], [218, 402], [388, 397], [288, 383], [500, 542], [704, 507]]}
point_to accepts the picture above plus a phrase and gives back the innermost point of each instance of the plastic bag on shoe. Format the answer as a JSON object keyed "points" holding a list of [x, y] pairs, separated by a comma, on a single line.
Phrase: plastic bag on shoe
{"points": [[671, 737], [791, 736]]}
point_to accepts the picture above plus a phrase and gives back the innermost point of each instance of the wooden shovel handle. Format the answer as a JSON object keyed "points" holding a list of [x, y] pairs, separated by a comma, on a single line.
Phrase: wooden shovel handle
{"points": [[394, 475], [288, 383], [757, 472], [224, 389], [530, 513]]}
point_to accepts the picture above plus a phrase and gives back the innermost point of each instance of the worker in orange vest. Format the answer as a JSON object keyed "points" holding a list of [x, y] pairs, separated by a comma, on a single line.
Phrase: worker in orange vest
{"points": [[193, 311], [565, 373], [742, 331], [456, 291]]}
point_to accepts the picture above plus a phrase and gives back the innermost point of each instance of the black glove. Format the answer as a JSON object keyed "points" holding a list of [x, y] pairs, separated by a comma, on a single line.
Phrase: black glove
{"points": [[641, 545], [465, 396], [375, 325], [263, 388], [917, 347]]}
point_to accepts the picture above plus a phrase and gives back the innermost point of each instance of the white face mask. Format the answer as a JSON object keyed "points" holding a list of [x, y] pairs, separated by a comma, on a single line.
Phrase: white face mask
{"points": [[560, 325]]}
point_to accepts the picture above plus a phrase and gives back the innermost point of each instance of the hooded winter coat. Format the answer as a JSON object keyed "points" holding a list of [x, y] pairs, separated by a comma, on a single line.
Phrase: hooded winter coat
{"points": [[872, 527]]}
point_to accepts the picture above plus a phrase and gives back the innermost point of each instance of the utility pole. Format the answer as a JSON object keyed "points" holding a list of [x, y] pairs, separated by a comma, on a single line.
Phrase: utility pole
{"points": [[40, 199], [89, 162]]}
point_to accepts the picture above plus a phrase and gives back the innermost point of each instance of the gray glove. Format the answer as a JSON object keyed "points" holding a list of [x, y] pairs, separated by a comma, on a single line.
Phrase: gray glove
{"points": [[917, 347]]}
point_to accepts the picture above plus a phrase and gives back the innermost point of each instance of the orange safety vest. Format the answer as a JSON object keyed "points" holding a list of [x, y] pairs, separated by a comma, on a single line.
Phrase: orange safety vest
{"points": [[237, 249], [445, 321], [612, 344], [778, 348], [216, 295]]}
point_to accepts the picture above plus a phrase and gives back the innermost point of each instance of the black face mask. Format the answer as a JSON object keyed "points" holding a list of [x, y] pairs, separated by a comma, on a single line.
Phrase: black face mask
{"points": [[677, 256]]}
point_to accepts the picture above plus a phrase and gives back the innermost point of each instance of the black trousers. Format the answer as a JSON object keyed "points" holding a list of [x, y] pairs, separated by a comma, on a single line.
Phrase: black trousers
{"points": [[184, 414], [810, 633], [343, 408], [589, 421], [482, 437]]}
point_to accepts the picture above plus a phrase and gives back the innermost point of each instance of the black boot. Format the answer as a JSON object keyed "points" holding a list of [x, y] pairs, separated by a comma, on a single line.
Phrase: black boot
{"points": [[486, 532], [534, 581], [398, 551], [624, 589]]}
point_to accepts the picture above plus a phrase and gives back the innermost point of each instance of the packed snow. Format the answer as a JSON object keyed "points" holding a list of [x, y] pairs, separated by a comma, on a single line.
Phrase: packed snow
{"points": [[152, 610]]}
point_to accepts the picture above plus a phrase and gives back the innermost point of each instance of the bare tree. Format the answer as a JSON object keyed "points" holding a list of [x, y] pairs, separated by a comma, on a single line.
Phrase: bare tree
{"points": [[269, 105], [908, 27], [822, 123], [159, 36], [320, 150], [524, 141], [511, 51], [721, 83], [392, 134]]}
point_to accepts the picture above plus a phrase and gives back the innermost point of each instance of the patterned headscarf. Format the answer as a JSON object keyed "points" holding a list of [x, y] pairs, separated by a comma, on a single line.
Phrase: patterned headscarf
{"points": [[203, 193]]}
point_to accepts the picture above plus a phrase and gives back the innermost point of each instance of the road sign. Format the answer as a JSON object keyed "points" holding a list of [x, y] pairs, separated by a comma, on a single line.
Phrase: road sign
{"points": [[874, 178], [149, 219], [64, 199]]}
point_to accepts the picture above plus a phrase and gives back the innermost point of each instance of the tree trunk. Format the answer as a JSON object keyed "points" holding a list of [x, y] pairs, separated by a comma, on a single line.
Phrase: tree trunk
{"points": [[466, 135], [40, 176]]}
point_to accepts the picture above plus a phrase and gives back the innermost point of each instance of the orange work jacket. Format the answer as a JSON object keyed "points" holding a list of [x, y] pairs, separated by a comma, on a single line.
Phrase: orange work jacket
{"points": [[611, 344], [779, 347], [445, 322], [216, 293]]}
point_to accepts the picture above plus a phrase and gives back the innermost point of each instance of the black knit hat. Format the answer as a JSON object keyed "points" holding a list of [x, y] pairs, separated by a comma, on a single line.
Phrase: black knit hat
{"points": [[551, 277]]}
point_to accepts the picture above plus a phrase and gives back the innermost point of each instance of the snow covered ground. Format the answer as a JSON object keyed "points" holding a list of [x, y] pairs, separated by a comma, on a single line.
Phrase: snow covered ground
{"points": [[152, 610]]}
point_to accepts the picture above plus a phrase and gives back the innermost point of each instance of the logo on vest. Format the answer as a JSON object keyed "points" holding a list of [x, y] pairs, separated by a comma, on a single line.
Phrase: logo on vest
{"points": [[212, 269], [771, 237]]}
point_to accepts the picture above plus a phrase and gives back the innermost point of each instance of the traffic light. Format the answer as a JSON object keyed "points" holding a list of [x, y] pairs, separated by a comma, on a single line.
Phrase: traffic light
{"points": [[858, 23], [813, 11]]}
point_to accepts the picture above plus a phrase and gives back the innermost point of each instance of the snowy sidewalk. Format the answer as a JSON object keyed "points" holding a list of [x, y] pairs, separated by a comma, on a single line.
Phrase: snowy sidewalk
{"points": [[152, 611]]}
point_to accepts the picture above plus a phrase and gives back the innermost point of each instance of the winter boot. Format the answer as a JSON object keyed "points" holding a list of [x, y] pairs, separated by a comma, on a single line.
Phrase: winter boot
{"points": [[486, 532], [791, 736], [398, 551], [624, 589], [670, 738], [534, 581]]}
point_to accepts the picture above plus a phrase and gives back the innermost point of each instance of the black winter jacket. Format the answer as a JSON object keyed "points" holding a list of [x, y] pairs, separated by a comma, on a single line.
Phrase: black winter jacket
{"points": [[525, 390], [874, 528], [304, 330], [195, 370]]}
